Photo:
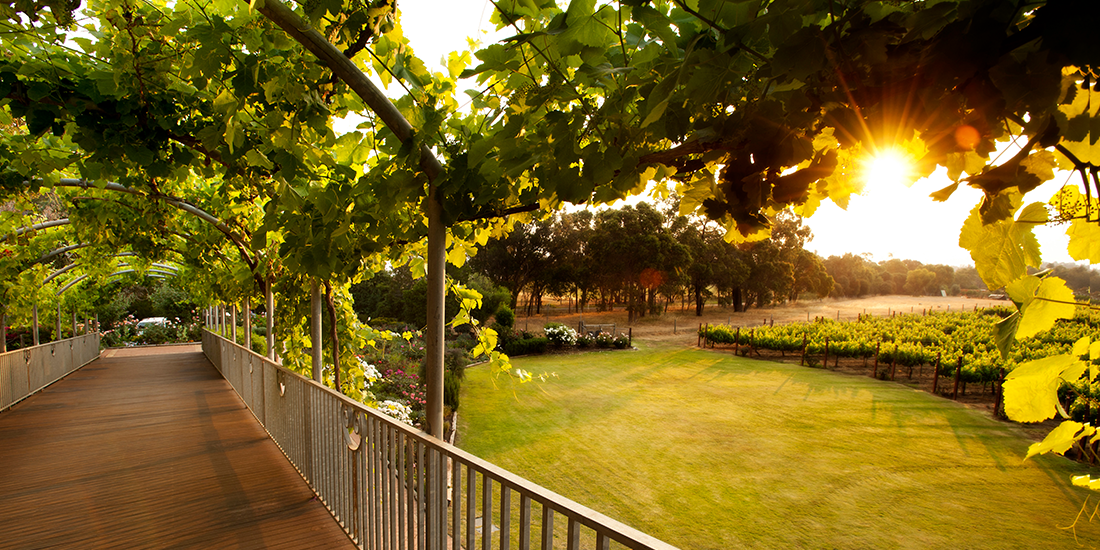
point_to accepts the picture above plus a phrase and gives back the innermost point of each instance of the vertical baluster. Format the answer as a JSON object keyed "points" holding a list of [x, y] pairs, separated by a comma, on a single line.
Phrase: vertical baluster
{"points": [[471, 504], [456, 504], [421, 497], [602, 541], [372, 485], [410, 491], [402, 493], [524, 522], [505, 516], [547, 527], [394, 475], [387, 484], [486, 512], [441, 497], [574, 542]]}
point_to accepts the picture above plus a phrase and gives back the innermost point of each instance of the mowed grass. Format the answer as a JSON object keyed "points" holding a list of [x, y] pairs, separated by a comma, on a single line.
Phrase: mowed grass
{"points": [[706, 450]]}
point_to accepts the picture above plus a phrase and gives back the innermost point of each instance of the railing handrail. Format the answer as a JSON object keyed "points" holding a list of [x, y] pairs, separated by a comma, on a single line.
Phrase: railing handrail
{"points": [[592, 519], [43, 345]]}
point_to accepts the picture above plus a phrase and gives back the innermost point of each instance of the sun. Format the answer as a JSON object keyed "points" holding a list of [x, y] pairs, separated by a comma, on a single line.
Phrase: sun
{"points": [[889, 167]]}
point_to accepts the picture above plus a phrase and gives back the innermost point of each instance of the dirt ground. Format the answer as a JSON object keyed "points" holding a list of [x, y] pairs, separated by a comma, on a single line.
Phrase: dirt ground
{"points": [[680, 326]]}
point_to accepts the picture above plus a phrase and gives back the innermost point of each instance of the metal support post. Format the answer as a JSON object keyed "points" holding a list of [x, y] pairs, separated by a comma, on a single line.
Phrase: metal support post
{"points": [[233, 322], [269, 298], [34, 324], [315, 329], [248, 322]]}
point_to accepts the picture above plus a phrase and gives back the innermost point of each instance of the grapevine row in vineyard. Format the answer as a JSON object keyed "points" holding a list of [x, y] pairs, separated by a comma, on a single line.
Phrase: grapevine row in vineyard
{"points": [[914, 340]]}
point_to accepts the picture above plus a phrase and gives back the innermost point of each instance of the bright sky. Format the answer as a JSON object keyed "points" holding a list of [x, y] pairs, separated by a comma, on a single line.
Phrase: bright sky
{"points": [[888, 220]]}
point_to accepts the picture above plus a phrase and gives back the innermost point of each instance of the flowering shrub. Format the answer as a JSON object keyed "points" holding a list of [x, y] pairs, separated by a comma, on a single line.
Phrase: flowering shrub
{"points": [[398, 385], [396, 410], [560, 335]]}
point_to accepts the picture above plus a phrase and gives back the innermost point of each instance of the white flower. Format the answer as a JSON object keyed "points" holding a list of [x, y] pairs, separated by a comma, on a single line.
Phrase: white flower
{"points": [[370, 372], [396, 410]]}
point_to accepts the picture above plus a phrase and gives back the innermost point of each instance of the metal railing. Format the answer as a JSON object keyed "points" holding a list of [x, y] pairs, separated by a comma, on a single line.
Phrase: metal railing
{"points": [[26, 371], [392, 486]]}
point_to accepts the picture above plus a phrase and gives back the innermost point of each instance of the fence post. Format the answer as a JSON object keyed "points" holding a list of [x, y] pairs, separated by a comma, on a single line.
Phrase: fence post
{"points": [[936, 377], [802, 361], [878, 346], [999, 405], [826, 362], [894, 363], [699, 336], [958, 372], [737, 338], [630, 336]]}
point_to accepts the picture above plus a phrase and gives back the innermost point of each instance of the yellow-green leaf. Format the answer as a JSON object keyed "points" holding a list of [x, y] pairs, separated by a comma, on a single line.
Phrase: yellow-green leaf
{"points": [[1042, 302], [1086, 481], [1084, 241], [1060, 439], [1031, 390], [1003, 250]]}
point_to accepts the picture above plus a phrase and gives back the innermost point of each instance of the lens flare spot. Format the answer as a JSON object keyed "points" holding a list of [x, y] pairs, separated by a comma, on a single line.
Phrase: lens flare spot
{"points": [[967, 137]]}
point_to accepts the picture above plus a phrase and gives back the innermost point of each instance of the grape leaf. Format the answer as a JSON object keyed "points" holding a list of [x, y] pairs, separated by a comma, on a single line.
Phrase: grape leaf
{"points": [[1031, 390], [1060, 439], [1041, 302], [1003, 250], [1084, 240]]}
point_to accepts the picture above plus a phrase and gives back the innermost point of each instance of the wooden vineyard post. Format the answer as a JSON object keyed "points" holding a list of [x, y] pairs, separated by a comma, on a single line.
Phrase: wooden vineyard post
{"points": [[936, 376], [999, 404], [826, 362], [737, 338], [752, 342], [802, 362], [630, 337], [878, 347], [699, 337], [894, 363], [958, 373]]}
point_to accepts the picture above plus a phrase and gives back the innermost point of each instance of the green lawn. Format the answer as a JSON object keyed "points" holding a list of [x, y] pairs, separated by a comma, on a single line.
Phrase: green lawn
{"points": [[708, 450]]}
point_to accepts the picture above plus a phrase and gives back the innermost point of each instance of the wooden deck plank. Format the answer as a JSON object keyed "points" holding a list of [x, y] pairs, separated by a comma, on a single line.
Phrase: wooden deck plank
{"points": [[150, 448]]}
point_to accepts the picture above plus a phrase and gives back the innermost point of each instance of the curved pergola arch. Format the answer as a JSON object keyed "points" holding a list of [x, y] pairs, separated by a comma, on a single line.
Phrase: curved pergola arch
{"points": [[179, 203]]}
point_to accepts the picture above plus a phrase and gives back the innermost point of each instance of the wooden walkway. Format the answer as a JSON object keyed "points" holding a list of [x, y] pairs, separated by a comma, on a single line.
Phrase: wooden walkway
{"points": [[150, 448]]}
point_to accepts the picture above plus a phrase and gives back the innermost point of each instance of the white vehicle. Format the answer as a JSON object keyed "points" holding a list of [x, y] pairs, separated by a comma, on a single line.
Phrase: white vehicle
{"points": [[150, 321]]}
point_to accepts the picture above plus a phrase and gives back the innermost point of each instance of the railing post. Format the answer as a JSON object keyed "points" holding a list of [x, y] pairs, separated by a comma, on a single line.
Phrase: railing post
{"points": [[3, 332], [269, 297], [315, 329], [57, 335], [233, 321], [35, 323], [248, 322]]}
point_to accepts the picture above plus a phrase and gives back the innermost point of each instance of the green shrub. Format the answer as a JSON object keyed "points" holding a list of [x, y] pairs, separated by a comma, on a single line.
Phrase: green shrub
{"points": [[505, 317], [452, 387], [526, 346]]}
